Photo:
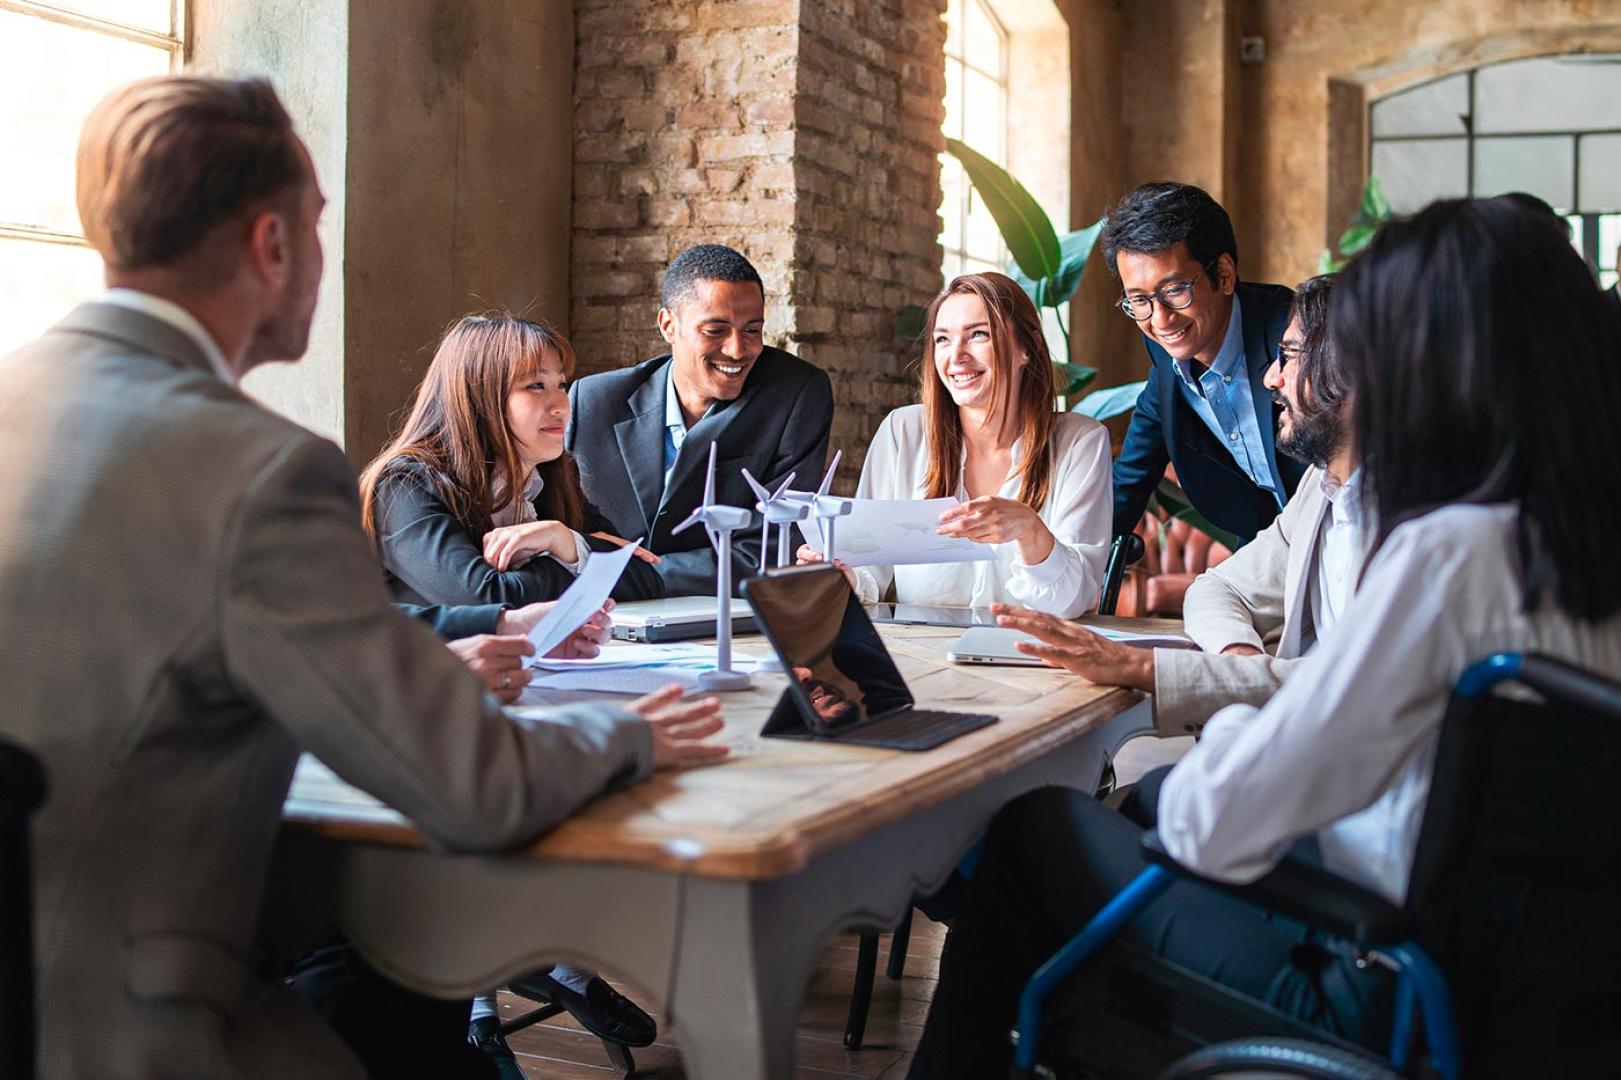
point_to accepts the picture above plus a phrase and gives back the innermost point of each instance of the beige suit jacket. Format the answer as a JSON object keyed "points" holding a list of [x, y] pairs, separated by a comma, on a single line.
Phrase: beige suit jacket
{"points": [[186, 602], [1260, 596]]}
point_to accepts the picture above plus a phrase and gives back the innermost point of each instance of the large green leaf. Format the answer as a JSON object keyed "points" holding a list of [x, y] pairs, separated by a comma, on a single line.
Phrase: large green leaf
{"points": [[909, 322], [1074, 378], [1073, 251], [1175, 501], [1029, 235], [1375, 207], [1356, 238], [1102, 404]]}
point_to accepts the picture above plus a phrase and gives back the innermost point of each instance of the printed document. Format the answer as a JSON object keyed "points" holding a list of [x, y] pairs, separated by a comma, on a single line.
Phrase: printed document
{"points": [[895, 532]]}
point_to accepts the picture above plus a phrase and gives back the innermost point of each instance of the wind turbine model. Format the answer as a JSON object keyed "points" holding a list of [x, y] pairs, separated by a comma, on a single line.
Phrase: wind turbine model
{"points": [[720, 522], [827, 508], [779, 511]]}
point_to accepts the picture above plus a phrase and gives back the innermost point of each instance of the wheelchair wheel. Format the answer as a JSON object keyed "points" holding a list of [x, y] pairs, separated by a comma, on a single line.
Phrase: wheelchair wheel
{"points": [[1259, 1058]]}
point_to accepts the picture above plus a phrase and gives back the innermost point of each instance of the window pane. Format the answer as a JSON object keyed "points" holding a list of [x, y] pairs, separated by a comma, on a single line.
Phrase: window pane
{"points": [[50, 76], [984, 238], [955, 186], [1418, 172], [1573, 226], [1559, 93], [982, 40], [1609, 239], [954, 27], [150, 15], [1601, 174], [39, 283], [954, 110], [1542, 166], [1435, 108], [983, 127]]}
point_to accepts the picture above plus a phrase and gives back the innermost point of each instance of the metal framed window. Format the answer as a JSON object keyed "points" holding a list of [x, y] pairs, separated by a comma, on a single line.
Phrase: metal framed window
{"points": [[1550, 126], [57, 60], [976, 113]]}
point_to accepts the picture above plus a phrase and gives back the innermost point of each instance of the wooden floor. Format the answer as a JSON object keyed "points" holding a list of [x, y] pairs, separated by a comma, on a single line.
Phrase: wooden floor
{"points": [[560, 1050]]}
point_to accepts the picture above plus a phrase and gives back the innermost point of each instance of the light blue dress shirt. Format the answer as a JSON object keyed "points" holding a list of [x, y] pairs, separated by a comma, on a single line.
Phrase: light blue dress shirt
{"points": [[1227, 405], [675, 425]]}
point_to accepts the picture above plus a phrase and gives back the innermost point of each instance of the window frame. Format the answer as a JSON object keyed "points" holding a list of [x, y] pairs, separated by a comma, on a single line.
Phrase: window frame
{"points": [[956, 260]]}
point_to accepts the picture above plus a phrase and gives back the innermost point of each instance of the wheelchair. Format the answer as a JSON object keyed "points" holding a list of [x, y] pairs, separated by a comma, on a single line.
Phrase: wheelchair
{"points": [[1507, 951]]}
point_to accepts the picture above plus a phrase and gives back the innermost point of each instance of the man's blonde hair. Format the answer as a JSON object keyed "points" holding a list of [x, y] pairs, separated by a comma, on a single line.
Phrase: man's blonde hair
{"points": [[165, 161]]}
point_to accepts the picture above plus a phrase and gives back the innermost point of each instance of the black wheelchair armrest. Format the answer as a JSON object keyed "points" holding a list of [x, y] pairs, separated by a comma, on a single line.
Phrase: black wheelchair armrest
{"points": [[1307, 893]]}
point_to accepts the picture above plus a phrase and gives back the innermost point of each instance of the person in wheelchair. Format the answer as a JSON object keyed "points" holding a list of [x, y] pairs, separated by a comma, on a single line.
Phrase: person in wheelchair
{"points": [[1483, 367]]}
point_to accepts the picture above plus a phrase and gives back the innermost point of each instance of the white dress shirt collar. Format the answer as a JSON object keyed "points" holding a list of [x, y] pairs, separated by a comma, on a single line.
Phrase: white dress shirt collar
{"points": [[523, 510], [167, 311]]}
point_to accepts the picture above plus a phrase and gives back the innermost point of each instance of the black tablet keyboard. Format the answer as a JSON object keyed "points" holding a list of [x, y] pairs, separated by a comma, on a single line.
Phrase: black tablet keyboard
{"points": [[914, 729]]}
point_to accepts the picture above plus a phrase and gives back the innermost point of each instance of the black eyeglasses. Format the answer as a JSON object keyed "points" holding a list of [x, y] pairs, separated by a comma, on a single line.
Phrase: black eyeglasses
{"points": [[1176, 296], [1288, 354]]}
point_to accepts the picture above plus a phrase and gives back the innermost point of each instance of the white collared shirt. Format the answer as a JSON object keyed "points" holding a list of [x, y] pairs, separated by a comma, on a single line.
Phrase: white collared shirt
{"points": [[167, 311], [1345, 749], [1079, 512], [523, 511], [1342, 544]]}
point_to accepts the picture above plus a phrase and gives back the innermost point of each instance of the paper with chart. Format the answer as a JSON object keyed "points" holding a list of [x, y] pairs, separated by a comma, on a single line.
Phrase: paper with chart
{"points": [[896, 532], [635, 669], [582, 599]]}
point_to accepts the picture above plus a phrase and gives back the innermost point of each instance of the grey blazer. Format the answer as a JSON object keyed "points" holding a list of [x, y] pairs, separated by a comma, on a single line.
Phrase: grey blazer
{"points": [[1261, 597], [186, 602]]}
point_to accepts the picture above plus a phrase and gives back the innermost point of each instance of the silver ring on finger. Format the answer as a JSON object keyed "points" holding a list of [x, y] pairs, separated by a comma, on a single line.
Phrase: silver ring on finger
{"points": [[506, 681]]}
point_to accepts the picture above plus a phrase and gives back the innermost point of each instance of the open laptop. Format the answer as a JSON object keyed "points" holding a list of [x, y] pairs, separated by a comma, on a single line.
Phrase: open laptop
{"points": [[842, 683], [675, 618]]}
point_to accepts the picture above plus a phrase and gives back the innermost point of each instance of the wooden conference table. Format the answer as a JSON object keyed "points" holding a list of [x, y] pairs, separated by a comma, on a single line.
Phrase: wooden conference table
{"points": [[712, 889]]}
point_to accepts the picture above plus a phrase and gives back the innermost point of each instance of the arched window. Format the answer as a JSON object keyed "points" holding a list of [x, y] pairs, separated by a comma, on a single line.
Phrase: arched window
{"points": [[976, 113], [1550, 126], [56, 61]]}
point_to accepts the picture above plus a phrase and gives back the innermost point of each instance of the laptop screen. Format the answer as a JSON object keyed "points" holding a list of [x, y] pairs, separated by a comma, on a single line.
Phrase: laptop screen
{"points": [[840, 673]]}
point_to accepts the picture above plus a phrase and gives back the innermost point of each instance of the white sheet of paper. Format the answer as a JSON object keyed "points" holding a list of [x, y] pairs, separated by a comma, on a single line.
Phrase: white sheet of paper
{"points": [[583, 598], [895, 532], [1145, 641]]}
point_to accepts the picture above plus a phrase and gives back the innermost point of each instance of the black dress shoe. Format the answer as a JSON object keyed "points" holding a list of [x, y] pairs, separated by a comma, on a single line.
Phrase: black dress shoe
{"points": [[601, 1010], [485, 1034]]}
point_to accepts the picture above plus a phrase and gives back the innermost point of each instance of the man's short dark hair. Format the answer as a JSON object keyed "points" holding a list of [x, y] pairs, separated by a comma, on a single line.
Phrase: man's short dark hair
{"points": [[1157, 217], [163, 161], [1327, 388], [706, 262]]}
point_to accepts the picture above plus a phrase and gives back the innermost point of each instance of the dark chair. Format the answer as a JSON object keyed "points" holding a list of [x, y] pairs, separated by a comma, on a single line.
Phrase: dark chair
{"points": [[1126, 549], [22, 790], [619, 1054], [1508, 948]]}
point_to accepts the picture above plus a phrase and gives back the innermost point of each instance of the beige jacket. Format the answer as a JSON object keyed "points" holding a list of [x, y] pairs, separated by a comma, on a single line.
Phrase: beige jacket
{"points": [[1261, 597], [187, 602]]}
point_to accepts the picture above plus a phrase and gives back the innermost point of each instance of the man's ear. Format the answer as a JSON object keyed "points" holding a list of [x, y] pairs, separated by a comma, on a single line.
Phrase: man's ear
{"points": [[1227, 273], [667, 325], [270, 247]]}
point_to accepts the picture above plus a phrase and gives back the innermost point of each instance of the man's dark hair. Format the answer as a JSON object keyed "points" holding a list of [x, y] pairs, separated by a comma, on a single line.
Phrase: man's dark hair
{"points": [[1156, 217], [1326, 385], [706, 262], [163, 161], [1483, 360]]}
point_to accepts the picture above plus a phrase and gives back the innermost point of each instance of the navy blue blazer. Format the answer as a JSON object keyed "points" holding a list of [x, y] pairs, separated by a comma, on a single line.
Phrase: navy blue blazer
{"points": [[1165, 430], [778, 424]]}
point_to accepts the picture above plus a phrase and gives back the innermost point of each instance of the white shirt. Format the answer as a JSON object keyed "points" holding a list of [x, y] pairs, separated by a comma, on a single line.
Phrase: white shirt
{"points": [[1345, 749], [1341, 546], [167, 311], [523, 511], [1079, 513]]}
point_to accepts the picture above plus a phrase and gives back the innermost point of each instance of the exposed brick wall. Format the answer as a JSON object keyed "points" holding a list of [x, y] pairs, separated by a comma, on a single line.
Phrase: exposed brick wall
{"points": [[805, 133]]}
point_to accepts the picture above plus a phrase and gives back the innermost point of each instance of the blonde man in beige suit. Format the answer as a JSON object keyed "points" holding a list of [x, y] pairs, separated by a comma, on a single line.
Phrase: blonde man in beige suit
{"points": [[187, 602], [1254, 615]]}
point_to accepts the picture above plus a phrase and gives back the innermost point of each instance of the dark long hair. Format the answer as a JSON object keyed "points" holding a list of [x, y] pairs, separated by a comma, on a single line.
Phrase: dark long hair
{"points": [[458, 426], [1015, 328], [1486, 368]]}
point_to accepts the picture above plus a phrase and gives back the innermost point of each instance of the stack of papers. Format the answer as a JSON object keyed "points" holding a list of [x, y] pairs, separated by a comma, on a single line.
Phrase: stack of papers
{"points": [[635, 669]]}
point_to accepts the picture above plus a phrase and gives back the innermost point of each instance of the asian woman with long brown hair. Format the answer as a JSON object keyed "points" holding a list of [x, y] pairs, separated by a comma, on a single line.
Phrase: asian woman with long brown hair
{"points": [[475, 501], [1031, 482]]}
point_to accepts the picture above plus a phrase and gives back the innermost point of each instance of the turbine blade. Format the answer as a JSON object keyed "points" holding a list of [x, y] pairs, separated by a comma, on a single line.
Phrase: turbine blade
{"points": [[782, 487], [827, 479], [759, 488], [709, 478], [692, 519]]}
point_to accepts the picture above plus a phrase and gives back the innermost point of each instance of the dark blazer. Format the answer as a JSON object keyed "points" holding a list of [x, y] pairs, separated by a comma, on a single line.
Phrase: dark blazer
{"points": [[778, 424], [1165, 430], [452, 621], [429, 557]]}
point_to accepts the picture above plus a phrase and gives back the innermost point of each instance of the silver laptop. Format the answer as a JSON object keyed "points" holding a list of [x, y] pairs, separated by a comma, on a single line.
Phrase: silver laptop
{"points": [[992, 645], [676, 618]]}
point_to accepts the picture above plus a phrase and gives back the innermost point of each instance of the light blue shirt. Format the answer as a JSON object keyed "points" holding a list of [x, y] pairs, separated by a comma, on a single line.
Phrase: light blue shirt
{"points": [[675, 425], [1227, 405]]}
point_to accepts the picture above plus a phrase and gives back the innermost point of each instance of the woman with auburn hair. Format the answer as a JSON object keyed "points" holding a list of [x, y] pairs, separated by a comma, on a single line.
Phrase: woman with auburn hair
{"points": [[1032, 482], [475, 501]]}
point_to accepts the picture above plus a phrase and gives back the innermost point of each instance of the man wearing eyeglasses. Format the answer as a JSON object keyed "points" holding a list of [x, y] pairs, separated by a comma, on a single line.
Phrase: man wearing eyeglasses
{"points": [[1210, 339]]}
